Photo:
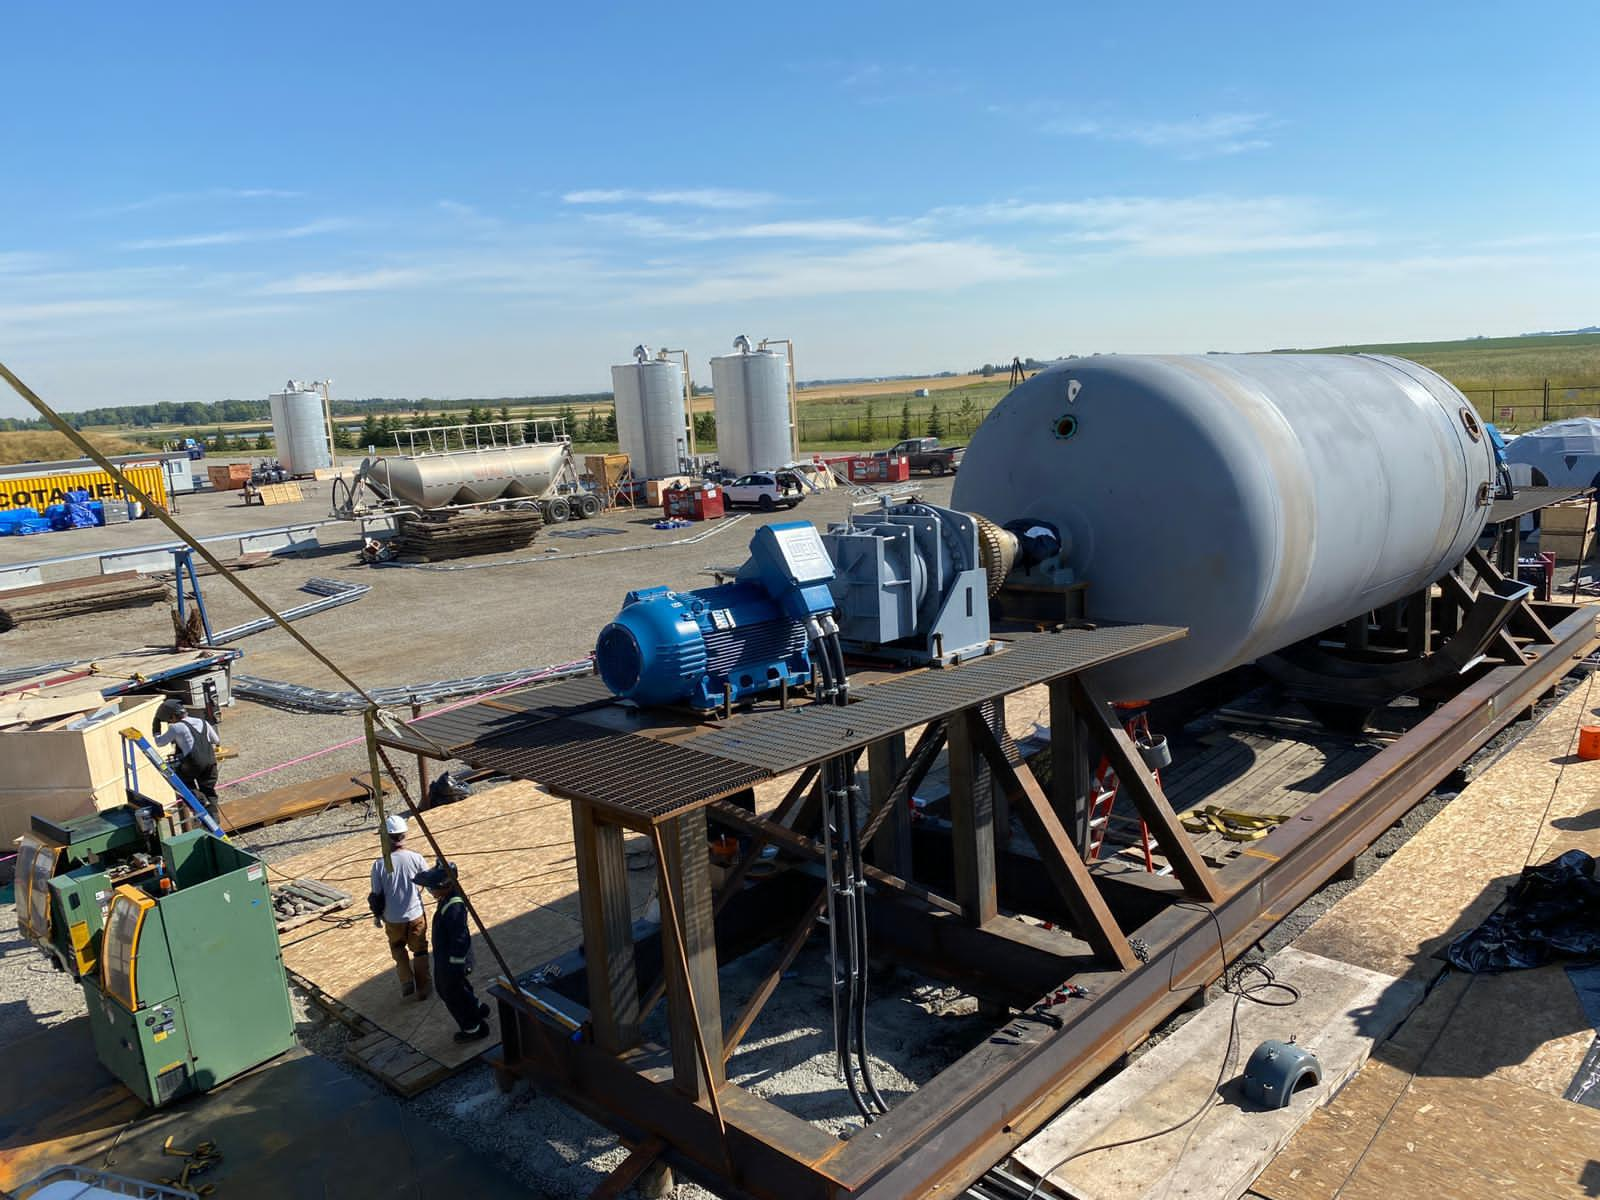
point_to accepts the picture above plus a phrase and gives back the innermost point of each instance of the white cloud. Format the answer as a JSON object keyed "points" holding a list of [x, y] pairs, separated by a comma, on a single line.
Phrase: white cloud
{"points": [[165, 199], [233, 237], [381, 280], [824, 229], [1175, 227], [19, 261], [926, 266], [66, 310], [717, 198], [1197, 137]]}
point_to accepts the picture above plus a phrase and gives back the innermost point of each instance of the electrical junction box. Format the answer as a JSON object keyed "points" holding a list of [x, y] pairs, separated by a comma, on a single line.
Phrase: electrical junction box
{"points": [[791, 562]]}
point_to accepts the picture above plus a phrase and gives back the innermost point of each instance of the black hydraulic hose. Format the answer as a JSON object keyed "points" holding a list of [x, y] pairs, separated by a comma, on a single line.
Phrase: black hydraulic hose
{"points": [[860, 946], [840, 798], [857, 906], [823, 691]]}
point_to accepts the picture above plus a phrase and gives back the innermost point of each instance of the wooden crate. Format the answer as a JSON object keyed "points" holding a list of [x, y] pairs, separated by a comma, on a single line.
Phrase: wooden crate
{"points": [[655, 489], [60, 773], [1572, 516], [228, 477], [1567, 547]]}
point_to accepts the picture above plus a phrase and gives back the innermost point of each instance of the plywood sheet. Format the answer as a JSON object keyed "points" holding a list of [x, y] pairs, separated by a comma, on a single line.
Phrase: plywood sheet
{"points": [[513, 847], [1455, 872], [1522, 1030], [1342, 1012], [293, 800], [1468, 1139]]}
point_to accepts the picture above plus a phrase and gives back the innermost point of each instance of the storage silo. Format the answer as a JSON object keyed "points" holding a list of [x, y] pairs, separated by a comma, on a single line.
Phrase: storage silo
{"points": [[752, 395], [300, 429], [652, 423]]}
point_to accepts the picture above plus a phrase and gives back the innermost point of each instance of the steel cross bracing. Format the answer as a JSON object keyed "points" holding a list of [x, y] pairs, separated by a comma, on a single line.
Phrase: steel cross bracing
{"points": [[1143, 944]]}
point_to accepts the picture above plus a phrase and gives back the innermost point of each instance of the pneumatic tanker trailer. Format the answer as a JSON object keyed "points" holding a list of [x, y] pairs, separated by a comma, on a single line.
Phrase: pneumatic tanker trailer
{"points": [[488, 471], [1257, 499]]}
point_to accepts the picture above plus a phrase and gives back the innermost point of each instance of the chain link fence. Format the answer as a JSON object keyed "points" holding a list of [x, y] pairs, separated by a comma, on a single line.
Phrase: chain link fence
{"points": [[888, 428]]}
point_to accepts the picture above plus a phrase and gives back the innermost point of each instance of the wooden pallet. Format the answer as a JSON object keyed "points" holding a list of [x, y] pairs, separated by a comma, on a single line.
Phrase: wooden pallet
{"points": [[398, 1065], [328, 900]]}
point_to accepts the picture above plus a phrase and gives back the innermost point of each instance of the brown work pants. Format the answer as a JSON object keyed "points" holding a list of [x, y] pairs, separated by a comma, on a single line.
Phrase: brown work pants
{"points": [[408, 943]]}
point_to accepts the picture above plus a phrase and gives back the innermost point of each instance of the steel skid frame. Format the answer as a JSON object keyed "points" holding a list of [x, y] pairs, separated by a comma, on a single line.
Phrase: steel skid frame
{"points": [[1140, 945]]}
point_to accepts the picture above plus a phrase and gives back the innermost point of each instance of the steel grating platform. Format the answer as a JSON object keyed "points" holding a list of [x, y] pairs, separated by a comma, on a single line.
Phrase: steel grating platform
{"points": [[576, 740], [1531, 499]]}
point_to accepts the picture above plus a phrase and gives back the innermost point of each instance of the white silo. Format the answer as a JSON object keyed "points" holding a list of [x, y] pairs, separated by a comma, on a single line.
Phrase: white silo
{"points": [[652, 423], [752, 395], [300, 429]]}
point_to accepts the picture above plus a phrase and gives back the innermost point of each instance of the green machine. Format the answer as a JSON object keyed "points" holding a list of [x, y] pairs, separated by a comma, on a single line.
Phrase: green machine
{"points": [[174, 941]]}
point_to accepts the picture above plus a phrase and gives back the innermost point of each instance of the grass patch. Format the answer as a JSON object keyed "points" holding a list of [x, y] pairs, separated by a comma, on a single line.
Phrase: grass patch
{"points": [[47, 445]]}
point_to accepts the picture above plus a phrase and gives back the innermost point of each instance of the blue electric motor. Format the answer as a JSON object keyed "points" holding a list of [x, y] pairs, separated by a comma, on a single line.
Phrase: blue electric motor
{"points": [[736, 641]]}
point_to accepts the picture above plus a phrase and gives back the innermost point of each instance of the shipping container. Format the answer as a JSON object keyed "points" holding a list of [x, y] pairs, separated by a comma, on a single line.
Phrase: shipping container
{"points": [[41, 491]]}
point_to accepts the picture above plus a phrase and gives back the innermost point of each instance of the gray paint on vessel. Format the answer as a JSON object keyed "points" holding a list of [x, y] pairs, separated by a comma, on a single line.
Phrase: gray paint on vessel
{"points": [[1257, 499]]}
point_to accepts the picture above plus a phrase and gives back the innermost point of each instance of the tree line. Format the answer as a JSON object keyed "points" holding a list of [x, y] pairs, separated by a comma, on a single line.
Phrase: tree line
{"points": [[226, 412]]}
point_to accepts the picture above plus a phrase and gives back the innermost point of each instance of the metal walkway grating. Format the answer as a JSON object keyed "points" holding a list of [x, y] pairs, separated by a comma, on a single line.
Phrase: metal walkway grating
{"points": [[572, 738]]}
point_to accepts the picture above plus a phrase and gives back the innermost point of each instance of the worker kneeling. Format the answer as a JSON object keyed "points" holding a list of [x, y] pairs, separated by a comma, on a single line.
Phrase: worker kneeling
{"points": [[452, 953]]}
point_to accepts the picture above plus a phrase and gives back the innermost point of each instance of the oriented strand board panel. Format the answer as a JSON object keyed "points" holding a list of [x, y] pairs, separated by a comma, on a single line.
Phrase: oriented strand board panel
{"points": [[1455, 872], [1517, 1030], [1342, 1012], [1524, 1027], [513, 848], [1443, 1136]]}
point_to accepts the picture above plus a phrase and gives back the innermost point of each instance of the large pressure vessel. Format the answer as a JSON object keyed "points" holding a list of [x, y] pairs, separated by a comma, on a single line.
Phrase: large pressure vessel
{"points": [[652, 424], [469, 476], [1256, 498], [752, 397], [299, 430]]}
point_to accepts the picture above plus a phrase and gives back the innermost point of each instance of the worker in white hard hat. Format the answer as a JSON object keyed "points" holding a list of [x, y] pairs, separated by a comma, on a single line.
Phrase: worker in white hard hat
{"points": [[396, 904]]}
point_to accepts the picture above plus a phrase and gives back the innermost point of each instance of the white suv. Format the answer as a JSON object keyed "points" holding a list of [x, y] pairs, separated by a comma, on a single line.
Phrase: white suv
{"points": [[766, 490]]}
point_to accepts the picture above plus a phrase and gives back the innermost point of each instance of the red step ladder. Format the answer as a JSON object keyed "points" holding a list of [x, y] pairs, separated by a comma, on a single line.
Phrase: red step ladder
{"points": [[1103, 788]]}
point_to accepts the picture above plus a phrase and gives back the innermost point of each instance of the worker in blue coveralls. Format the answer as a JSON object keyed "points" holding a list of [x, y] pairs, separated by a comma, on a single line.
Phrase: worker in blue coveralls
{"points": [[452, 953]]}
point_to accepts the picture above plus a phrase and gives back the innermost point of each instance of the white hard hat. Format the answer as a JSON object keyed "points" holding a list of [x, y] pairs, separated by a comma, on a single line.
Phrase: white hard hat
{"points": [[395, 825]]}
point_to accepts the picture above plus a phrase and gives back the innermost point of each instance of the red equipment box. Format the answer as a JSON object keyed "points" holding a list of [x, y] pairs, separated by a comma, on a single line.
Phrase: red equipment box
{"points": [[702, 502], [878, 469]]}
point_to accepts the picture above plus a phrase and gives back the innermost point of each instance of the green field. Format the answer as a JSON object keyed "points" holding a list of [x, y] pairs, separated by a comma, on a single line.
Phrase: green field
{"points": [[1517, 381], [1501, 363]]}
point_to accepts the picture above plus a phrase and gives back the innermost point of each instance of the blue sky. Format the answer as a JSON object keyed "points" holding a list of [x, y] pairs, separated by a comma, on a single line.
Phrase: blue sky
{"points": [[488, 199]]}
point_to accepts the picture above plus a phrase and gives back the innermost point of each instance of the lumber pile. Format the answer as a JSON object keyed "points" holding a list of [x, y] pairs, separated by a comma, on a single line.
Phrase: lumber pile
{"points": [[74, 597], [432, 536]]}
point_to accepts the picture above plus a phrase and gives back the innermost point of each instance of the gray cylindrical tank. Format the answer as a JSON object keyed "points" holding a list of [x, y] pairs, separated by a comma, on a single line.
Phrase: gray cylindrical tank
{"points": [[652, 423], [1256, 498], [469, 476], [299, 430], [752, 397]]}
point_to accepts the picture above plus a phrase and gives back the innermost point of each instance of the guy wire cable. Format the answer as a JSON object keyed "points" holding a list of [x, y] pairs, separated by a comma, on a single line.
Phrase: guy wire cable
{"points": [[371, 717]]}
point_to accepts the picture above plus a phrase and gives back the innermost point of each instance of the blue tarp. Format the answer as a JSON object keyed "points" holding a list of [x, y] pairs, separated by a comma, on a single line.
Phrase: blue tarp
{"points": [[76, 512], [18, 522], [1566, 453], [79, 512]]}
